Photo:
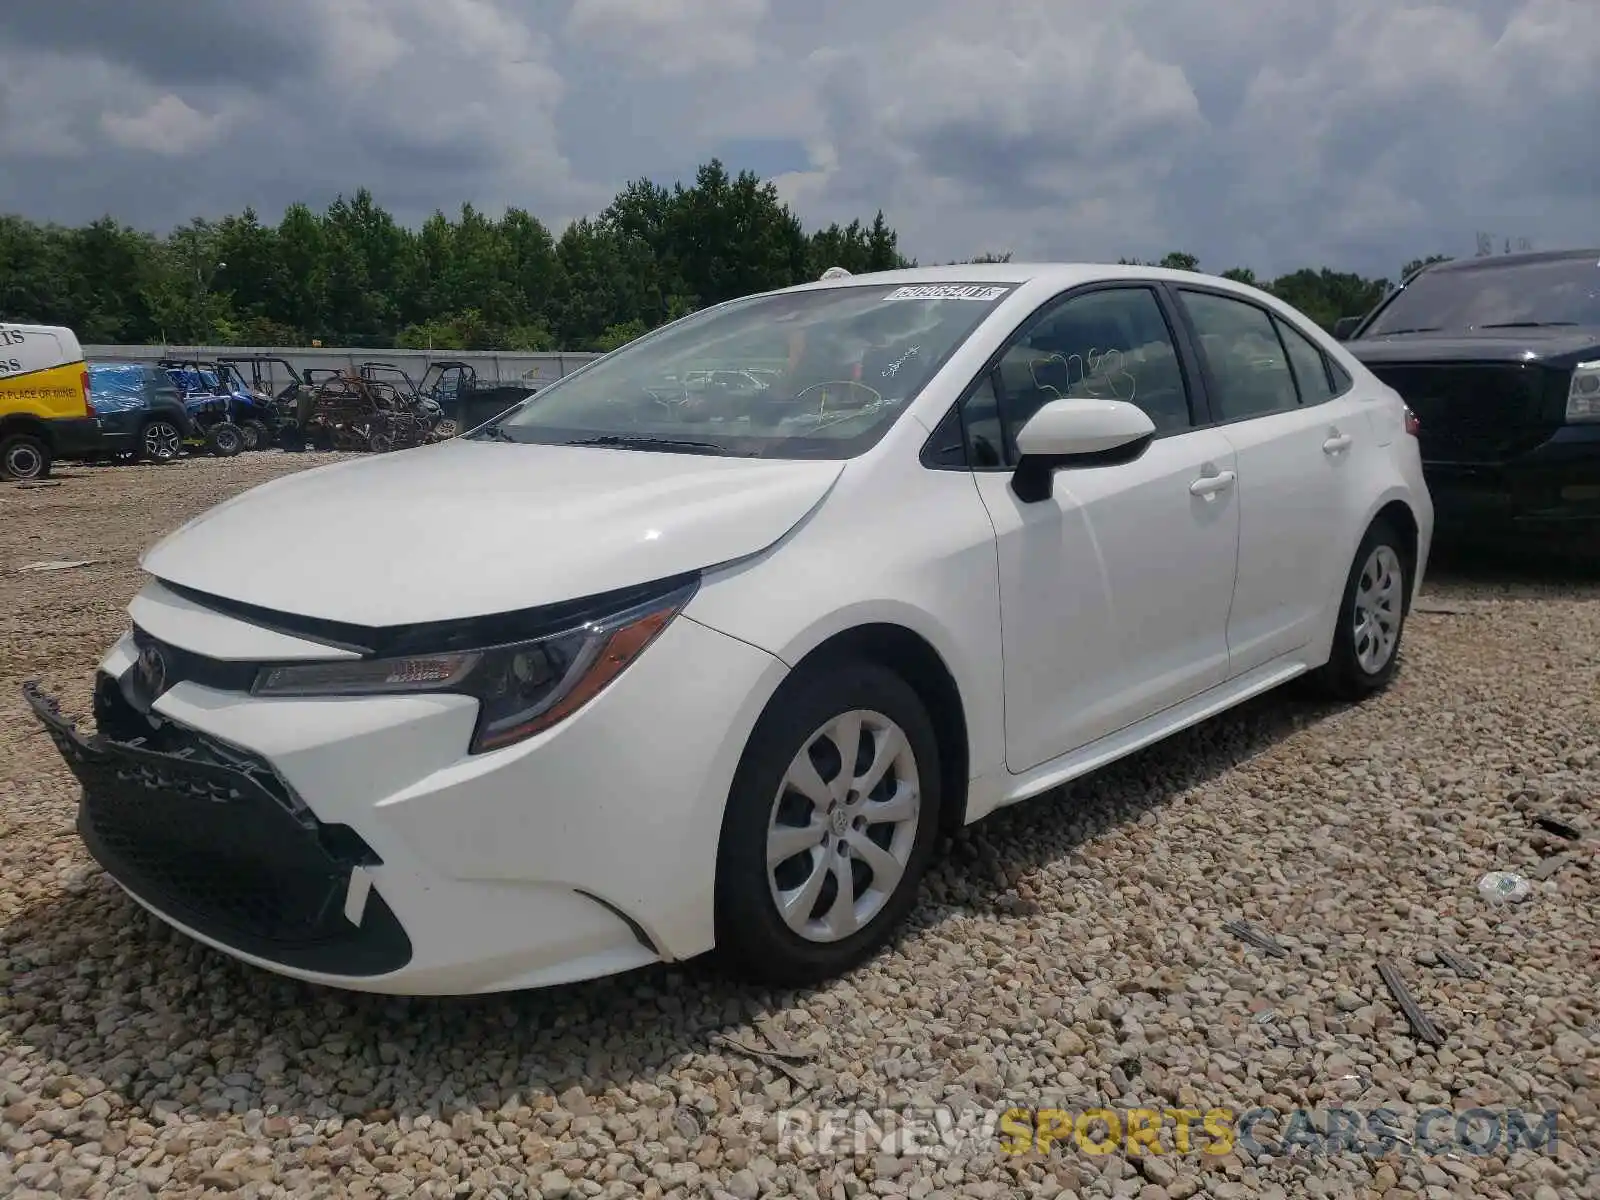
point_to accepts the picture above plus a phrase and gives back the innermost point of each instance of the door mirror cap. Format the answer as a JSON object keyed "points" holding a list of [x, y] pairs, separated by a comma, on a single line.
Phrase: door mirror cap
{"points": [[1344, 327], [1070, 428], [1069, 433]]}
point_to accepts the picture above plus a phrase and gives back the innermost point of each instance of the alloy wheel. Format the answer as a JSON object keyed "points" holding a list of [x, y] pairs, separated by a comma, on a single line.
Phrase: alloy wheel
{"points": [[162, 440]]}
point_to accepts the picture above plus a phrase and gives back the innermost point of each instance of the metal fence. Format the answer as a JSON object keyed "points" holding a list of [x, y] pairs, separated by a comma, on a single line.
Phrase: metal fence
{"points": [[492, 366]]}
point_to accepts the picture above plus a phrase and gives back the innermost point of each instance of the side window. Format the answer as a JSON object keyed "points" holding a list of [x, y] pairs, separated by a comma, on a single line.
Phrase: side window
{"points": [[985, 438], [1309, 363], [1342, 382], [1246, 359], [1111, 344]]}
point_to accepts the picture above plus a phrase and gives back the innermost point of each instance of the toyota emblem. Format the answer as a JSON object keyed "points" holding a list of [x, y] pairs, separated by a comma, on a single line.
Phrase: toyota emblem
{"points": [[152, 668]]}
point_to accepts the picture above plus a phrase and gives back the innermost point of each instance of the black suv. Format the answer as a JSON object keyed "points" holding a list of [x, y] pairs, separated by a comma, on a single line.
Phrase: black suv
{"points": [[142, 413], [1500, 359]]}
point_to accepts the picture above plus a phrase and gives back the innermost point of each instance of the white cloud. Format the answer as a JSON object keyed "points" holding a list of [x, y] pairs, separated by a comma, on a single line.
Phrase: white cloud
{"points": [[672, 37], [1358, 133], [167, 126]]}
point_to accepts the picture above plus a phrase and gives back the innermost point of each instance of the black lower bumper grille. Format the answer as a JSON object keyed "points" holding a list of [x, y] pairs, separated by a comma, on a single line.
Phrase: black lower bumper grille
{"points": [[220, 845], [1477, 412]]}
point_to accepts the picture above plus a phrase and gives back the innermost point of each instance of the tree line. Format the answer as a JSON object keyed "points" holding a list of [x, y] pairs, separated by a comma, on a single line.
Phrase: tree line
{"points": [[352, 275]]}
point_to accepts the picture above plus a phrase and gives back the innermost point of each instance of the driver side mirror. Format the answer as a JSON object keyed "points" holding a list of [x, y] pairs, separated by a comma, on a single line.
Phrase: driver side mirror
{"points": [[1344, 327], [1076, 433]]}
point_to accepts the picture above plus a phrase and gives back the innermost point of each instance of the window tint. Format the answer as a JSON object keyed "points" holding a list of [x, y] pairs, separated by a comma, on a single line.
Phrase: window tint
{"points": [[1310, 367], [1246, 358], [1112, 344]]}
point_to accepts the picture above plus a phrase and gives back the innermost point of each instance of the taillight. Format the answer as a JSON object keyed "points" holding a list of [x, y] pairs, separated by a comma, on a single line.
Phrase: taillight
{"points": [[88, 403], [1413, 422]]}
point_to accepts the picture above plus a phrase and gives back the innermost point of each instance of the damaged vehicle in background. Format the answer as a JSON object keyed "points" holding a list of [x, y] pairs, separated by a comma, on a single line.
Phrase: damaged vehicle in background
{"points": [[636, 671], [1500, 359]]}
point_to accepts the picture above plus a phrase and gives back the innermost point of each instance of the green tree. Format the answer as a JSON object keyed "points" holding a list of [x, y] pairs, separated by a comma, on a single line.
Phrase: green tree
{"points": [[1416, 264], [352, 273]]}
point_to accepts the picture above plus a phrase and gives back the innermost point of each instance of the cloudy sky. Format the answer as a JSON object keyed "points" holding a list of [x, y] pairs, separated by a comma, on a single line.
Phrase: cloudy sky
{"points": [[1270, 133]]}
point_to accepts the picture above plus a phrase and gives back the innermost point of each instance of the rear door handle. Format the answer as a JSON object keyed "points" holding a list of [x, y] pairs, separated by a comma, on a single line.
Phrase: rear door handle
{"points": [[1209, 485], [1336, 443]]}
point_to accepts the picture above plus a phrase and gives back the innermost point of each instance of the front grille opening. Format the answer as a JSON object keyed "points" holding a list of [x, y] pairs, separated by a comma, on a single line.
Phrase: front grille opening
{"points": [[118, 720]]}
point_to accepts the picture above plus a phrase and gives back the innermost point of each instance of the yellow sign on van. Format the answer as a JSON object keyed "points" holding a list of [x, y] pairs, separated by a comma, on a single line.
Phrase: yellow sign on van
{"points": [[45, 410]]}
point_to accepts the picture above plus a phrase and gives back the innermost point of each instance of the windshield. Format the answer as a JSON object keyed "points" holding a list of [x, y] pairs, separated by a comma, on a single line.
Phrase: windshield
{"points": [[813, 374], [1562, 291]]}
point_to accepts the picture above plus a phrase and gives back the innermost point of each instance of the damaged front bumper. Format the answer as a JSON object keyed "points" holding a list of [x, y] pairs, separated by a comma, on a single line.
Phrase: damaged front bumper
{"points": [[355, 842], [212, 839]]}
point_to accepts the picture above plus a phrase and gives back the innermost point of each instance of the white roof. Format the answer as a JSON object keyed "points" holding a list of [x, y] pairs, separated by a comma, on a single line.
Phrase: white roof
{"points": [[1055, 276]]}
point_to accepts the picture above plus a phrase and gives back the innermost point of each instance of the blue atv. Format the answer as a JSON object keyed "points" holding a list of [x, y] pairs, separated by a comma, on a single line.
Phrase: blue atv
{"points": [[230, 416]]}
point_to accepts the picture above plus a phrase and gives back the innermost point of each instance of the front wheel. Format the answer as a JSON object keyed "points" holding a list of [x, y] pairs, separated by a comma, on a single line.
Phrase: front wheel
{"points": [[224, 439], [830, 825], [256, 435], [1366, 642]]}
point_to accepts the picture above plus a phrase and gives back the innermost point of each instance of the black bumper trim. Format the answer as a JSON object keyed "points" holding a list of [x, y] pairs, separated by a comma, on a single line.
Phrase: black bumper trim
{"points": [[218, 846]]}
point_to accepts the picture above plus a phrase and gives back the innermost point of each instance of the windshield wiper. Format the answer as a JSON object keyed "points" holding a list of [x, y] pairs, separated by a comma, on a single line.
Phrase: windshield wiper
{"points": [[1394, 332], [1525, 324], [654, 443]]}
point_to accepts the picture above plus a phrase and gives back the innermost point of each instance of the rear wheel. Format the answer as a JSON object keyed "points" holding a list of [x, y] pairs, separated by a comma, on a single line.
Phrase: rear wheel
{"points": [[256, 435], [160, 441], [24, 457], [830, 825], [1366, 642]]}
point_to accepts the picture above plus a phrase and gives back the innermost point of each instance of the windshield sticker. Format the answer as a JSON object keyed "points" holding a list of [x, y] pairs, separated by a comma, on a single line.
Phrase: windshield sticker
{"points": [[949, 291]]}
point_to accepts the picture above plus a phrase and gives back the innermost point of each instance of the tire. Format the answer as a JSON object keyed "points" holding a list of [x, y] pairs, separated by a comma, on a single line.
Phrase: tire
{"points": [[256, 434], [24, 457], [160, 441], [753, 939], [225, 439], [1379, 583]]}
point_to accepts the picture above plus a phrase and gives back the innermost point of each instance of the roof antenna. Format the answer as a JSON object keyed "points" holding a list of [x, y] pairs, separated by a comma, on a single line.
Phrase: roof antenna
{"points": [[835, 273]]}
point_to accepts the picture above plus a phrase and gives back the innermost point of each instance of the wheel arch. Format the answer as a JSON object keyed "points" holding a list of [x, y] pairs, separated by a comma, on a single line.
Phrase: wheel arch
{"points": [[1398, 512], [914, 659], [15, 423]]}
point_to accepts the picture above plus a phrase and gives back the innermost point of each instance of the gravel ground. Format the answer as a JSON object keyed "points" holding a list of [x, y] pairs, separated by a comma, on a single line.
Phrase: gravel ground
{"points": [[1069, 952]]}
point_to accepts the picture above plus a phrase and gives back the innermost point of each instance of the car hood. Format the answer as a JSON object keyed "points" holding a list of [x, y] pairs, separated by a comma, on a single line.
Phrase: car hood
{"points": [[1561, 346], [473, 528]]}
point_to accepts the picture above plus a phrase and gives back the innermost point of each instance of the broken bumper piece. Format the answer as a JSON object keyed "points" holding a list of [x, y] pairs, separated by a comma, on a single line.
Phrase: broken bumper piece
{"points": [[214, 841]]}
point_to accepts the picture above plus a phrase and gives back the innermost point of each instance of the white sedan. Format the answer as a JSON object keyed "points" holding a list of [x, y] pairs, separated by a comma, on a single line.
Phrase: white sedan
{"points": [[632, 673]]}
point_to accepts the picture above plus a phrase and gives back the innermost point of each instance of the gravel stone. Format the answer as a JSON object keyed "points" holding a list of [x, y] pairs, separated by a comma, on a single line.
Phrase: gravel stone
{"points": [[1067, 953]]}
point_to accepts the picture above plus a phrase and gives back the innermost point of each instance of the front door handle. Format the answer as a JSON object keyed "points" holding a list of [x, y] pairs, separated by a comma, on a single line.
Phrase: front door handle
{"points": [[1209, 485], [1336, 443]]}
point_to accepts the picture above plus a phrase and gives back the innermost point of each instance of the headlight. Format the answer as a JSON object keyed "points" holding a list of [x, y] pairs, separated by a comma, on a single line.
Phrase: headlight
{"points": [[521, 687], [1583, 397]]}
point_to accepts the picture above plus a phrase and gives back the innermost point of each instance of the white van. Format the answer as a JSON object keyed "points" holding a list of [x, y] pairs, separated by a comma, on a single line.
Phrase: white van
{"points": [[45, 412]]}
